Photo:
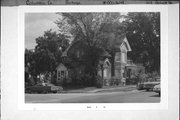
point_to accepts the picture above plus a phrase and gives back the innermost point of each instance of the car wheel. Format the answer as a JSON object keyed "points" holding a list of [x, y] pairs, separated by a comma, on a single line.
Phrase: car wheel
{"points": [[147, 89]]}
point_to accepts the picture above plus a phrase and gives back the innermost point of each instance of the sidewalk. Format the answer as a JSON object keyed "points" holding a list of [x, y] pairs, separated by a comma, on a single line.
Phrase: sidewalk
{"points": [[104, 89]]}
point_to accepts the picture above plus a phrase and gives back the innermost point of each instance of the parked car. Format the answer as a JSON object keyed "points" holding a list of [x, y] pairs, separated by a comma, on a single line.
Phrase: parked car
{"points": [[150, 84], [44, 88], [157, 89]]}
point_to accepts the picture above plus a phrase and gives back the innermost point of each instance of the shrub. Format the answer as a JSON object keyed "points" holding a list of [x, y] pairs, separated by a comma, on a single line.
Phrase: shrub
{"points": [[142, 77], [86, 79], [115, 81], [153, 75], [131, 81], [99, 81], [66, 81]]}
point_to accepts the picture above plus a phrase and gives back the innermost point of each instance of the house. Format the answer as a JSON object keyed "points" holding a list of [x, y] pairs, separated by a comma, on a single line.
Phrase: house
{"points": [[62, 72], [75, 67]]}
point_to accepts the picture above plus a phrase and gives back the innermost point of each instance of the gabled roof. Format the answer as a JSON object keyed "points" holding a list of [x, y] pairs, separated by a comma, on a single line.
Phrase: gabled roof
{"points": [[61, 65], [125, 41], [120, 41]]}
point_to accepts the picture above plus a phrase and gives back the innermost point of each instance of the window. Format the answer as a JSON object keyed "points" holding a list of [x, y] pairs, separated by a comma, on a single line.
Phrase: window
{"points": [[59, 74], [123, 57], [117, 57], [62, 74]]}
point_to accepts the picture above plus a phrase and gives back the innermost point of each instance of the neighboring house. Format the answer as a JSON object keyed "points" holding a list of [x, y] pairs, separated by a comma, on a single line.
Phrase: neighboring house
{"points": [[62, 72], [76, 51]]}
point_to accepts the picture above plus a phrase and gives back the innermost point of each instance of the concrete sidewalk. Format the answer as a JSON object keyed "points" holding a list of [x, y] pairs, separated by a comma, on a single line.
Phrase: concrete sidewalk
{"points": [[104, 89]]}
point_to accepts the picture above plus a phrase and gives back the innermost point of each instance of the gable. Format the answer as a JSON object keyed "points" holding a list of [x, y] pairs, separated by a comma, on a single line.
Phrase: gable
{"points": [[121, 43], [125, 45], [61, 67], [107, 62]]}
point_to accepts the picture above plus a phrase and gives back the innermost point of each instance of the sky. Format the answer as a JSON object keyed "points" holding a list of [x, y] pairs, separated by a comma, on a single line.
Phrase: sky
{"points": [[36, 24]]}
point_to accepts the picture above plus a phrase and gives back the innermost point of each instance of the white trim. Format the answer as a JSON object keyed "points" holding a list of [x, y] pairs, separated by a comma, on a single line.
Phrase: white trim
{"points": [[127, 43]]}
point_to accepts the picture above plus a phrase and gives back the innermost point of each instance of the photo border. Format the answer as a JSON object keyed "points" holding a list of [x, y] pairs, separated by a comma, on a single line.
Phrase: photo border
{"points": [[94, 106]]}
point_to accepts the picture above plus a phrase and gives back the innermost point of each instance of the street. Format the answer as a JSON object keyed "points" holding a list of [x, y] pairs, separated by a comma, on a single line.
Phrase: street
{"points": [[102, 97]]}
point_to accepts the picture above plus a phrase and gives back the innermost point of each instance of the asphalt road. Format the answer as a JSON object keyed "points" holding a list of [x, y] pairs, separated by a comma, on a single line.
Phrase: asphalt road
{"points": [[105, 97]]}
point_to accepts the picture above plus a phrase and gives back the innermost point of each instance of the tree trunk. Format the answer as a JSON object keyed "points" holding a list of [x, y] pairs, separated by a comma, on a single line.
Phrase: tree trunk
{"points": [[112, 64]]}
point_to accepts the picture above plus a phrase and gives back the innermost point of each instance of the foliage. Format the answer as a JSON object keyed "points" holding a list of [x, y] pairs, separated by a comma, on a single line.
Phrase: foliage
{"points": [[143, 33], [30, 66], [96, 30], [99, 81], [47, 53], [66, 81], [132, 81], [87, 27], [86, 79], [153, 75], [115, 81], [142, 77]]}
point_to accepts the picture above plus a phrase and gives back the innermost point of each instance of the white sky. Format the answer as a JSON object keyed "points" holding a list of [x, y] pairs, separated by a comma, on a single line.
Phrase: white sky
{"points": [[36, 24]]}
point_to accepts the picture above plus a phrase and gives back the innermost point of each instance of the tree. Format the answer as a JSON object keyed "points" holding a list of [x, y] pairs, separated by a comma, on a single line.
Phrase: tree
{"points": [[143, 33], [28, 61], [47, 53], [91, 29]]}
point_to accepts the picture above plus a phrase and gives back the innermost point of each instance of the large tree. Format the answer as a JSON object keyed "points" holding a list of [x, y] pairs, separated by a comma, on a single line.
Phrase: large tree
{"points": [[92, 29], [49, 49], [47, 53], [143, 33]]}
